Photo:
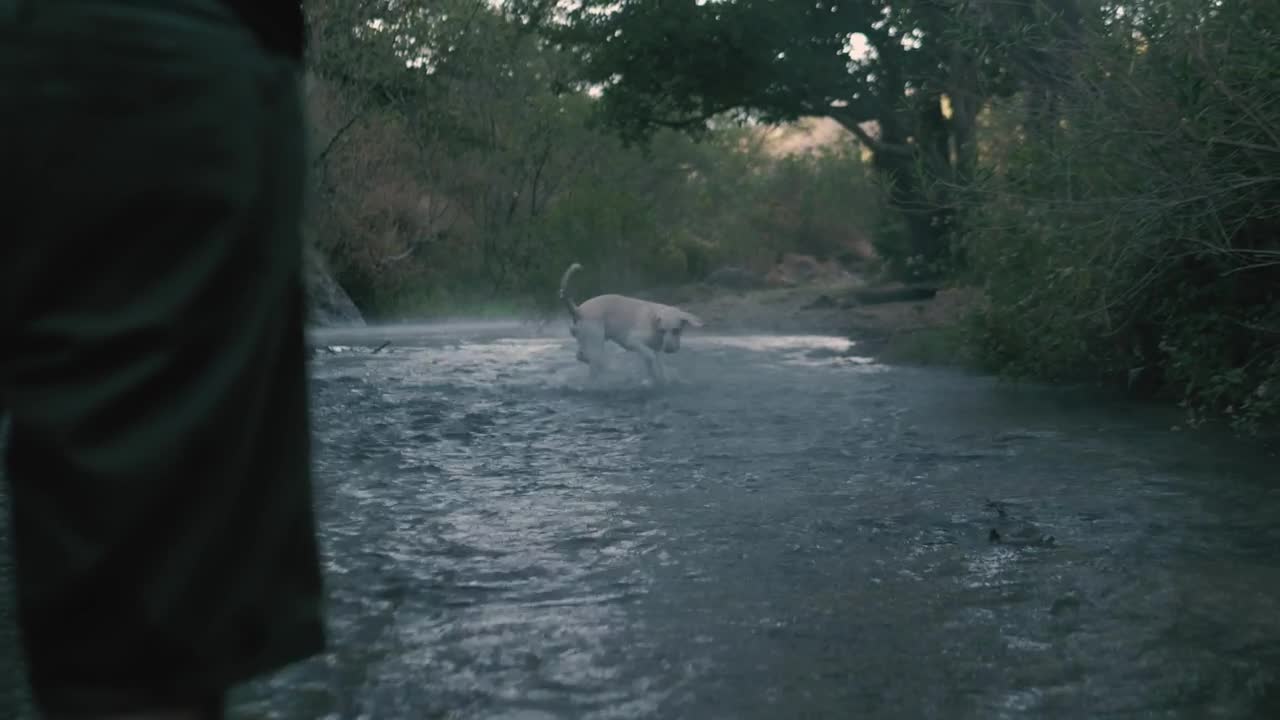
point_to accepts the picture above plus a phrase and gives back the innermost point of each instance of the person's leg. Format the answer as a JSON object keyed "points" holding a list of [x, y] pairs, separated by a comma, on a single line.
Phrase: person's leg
{"points": [[15, 696], [152, 355]]}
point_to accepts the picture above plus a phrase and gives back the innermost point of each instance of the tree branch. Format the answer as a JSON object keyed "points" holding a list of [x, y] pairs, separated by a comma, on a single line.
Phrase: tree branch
{"points": [[333, 140], [390, 259], [853, 125]]}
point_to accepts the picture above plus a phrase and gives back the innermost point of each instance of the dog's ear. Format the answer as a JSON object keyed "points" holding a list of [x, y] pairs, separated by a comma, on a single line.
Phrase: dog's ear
{"points": [[690, 319]]}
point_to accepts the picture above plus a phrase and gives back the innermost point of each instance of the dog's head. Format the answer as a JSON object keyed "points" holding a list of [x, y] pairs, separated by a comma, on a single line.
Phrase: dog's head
{"points": [[668, 324]]}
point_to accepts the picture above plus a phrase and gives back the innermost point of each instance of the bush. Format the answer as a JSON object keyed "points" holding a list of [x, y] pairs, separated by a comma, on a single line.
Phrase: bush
{"points": [[1138, 241]]}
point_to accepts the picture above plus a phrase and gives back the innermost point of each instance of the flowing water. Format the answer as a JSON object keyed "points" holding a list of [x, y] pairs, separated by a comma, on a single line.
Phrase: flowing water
{"points": [[787, 531]]}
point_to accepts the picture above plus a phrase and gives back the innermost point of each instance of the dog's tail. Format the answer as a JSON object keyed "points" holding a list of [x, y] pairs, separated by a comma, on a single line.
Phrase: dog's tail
{"points": [[564, 291]]}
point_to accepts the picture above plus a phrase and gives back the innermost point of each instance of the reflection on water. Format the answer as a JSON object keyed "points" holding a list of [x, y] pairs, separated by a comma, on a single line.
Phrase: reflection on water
{"points": [[809, 350], [774, 535], [788, 530], [765, 343]]}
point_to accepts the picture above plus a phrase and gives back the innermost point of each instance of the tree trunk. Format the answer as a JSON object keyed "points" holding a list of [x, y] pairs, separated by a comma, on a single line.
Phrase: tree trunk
{"points": [[920, 185]]}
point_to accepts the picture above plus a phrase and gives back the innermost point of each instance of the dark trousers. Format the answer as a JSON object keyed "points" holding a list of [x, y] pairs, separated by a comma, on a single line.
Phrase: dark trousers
{"points": [[152, 355]]}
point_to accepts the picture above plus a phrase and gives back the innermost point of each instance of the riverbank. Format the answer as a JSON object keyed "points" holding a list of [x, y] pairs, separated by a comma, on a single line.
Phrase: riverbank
{"points": [[920, 331], [925, 330]]}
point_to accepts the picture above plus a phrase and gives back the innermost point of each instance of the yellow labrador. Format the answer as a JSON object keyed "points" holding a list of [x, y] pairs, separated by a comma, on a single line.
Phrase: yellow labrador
{"points": [[643, 327]]}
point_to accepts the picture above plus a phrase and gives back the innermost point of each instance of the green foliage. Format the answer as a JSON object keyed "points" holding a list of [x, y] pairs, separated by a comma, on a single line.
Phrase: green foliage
{"points": [[896, 247], [819, 200], [880, 69], [1134, 239], [461, 166], [931, 346]]}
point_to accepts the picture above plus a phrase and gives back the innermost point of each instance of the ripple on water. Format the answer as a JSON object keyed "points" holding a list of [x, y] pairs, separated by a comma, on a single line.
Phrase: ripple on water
{"points": [[779, 529]]}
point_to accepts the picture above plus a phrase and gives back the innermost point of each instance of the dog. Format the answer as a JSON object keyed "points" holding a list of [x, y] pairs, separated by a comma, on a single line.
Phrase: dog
{"points": [[646, 328]]}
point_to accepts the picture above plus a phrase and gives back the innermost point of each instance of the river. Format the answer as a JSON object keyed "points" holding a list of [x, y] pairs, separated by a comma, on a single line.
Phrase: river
{"points": [[786, 531]]}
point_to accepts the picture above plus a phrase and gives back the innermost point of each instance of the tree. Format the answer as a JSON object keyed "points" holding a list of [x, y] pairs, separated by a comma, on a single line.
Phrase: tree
{"points": [[456, 162], [900, 77]]}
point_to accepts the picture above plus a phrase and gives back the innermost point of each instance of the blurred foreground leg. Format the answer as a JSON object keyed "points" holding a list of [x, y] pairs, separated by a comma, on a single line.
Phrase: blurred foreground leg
{"points": [[152, 355]]}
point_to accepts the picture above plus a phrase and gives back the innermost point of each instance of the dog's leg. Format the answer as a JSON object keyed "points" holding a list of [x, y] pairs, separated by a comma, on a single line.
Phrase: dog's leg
{"points": [[591, 348], [640, 344], [652, 363], [582, 355], [595, 364]]}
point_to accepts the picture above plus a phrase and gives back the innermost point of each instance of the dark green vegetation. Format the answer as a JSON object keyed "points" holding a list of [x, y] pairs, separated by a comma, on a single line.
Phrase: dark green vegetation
{"points": [[1108, 174], [465, 170]]}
